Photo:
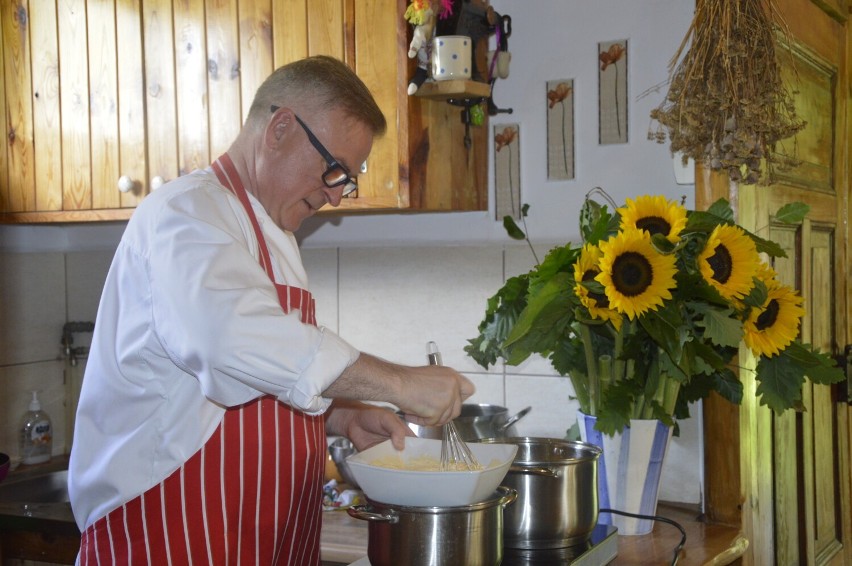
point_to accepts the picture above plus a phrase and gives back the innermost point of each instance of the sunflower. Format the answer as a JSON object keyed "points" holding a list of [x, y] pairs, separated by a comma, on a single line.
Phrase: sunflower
{"points": [[654, 214], [767, 275], [586, 269], [729, 261], [772, 328], [635, 276]]}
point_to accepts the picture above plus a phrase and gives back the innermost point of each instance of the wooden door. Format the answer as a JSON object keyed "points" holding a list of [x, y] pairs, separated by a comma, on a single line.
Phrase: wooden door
{"points": [[790, 481]]}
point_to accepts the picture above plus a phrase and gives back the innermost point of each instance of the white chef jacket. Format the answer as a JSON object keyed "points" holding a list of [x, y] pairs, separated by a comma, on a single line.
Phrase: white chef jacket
{"points": [[189, 324]]}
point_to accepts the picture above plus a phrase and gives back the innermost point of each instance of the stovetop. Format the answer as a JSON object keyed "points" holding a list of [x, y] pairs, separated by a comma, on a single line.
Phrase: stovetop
{"points": [[600, 549]]}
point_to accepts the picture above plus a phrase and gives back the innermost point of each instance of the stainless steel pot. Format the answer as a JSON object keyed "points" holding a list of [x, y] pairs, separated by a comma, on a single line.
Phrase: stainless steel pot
{"points": [[340, 449], [557, 485], [477, 421], [435, 536]]}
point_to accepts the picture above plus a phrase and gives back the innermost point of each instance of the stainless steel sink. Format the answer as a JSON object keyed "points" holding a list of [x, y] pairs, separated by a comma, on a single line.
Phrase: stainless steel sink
{"points": [[48, 487]]}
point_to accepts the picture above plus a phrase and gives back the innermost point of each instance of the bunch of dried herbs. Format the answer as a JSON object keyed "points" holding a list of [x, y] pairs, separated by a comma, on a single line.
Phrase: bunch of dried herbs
{"points": [[727, 103]]}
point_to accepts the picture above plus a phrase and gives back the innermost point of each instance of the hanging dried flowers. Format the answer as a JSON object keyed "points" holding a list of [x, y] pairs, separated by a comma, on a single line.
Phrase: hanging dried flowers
{"points": [[727, 103]]}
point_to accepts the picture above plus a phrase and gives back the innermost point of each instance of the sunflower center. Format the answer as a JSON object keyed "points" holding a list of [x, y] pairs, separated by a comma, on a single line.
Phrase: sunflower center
{"points": [[654, 225], [632, 274], [768, 317], [600, 299], [721, 264]]}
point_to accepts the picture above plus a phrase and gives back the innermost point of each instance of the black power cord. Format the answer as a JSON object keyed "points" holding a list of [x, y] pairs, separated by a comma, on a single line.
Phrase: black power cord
{"points": [[677, 549]]}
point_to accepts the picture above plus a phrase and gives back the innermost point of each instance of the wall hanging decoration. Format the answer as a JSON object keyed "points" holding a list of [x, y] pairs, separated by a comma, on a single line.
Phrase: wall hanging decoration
{"points": [[560, 129], [612, 92], [507, 170], [727, 104]]}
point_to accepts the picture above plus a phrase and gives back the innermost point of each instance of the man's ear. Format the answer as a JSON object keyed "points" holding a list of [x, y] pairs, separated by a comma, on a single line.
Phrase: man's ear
{"points": [[278, 127]]}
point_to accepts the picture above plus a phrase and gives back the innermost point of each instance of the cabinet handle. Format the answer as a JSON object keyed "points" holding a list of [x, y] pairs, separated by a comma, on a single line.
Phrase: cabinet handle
{"points": [[157, 182], [125, 184]]}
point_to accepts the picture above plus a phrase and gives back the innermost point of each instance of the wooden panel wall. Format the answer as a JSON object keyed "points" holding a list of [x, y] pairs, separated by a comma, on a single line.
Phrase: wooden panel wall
{"points": [[133, 155], [103, 86], [47, 130]]}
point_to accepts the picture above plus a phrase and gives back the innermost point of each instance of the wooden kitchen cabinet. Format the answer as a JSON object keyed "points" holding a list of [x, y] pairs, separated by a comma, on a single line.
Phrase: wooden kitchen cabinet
{"points": [[102, 93]]}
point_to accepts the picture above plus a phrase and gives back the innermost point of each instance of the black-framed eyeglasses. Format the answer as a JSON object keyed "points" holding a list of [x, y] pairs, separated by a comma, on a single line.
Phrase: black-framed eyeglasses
{"points": [[336, 174]]}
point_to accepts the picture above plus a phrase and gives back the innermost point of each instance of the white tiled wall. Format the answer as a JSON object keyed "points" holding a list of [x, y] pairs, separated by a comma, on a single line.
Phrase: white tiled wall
{"points": [[387, 301]]}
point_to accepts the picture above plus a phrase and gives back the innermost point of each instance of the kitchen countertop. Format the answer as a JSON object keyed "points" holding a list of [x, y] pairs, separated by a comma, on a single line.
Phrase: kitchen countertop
{"points": [[344, 540]]}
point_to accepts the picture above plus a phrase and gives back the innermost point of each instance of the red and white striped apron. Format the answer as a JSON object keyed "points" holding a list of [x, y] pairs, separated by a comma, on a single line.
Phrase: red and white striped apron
{"points": [[251, 495]]}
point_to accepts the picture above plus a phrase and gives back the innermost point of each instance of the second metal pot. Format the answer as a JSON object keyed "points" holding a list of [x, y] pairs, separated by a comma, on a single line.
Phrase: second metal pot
{"points": [[477, 421], [557, 485], [433, 536]]}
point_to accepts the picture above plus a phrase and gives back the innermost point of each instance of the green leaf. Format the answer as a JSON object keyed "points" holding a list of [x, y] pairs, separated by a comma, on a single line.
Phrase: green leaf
{"points": [[665, 327], [512, 228], [758, 295], [547, 313], [779, 383], [613, 415], [767, 246], [502, 311], [728, 386], [596, 222], [720, 326], [722, 209], [662, 244], [819, 367], [792, 213]]}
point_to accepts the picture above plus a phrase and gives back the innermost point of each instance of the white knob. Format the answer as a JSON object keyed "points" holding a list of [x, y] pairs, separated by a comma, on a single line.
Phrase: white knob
{"points": [[125, 184], [157, 182]]}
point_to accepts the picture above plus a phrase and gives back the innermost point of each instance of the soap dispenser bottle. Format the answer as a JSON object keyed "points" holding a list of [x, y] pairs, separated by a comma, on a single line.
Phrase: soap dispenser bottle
{"points": [[36, 434]]}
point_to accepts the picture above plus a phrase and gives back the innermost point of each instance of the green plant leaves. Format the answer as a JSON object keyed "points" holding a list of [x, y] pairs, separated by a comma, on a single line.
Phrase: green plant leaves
{"points": [[792, 213]]}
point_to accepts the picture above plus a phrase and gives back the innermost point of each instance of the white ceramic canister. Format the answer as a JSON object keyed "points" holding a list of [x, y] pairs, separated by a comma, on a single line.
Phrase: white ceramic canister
{"points": [[451, 57]]}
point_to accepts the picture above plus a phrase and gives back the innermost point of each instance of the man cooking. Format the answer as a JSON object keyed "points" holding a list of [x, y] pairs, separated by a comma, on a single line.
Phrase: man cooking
{"points": [[201, 427]]}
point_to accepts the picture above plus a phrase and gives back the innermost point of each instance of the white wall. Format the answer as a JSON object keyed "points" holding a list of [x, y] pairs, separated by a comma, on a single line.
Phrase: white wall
{"points": [[551, 39]]}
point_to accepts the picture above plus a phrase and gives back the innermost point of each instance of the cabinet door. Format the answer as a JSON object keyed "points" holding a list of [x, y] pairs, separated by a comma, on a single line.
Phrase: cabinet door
{"points": [[75, 118], [19, 180]]}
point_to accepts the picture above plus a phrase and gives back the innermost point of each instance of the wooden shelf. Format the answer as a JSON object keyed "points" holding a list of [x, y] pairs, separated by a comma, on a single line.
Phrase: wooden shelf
{"points": [[706, 543], [442, 90]]}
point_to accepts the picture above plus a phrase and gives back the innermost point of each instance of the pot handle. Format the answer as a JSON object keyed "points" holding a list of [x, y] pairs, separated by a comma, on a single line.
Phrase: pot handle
{"points": [[509, 495], [534, 471], [515, 418], [365, 513]]}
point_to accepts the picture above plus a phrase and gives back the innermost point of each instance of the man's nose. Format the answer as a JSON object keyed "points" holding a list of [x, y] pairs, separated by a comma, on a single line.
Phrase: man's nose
{"points": [[333, 195]]}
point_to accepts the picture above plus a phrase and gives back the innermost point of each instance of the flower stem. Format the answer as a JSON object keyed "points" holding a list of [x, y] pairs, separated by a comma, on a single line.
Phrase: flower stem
{"points": [[564, 144], [591, 364], [619, 367], [672, 390], [604, 371]]}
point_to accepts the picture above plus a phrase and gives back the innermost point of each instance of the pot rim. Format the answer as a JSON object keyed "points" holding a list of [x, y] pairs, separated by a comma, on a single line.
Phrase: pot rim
{"points": [[502, 496], [589, 452]]}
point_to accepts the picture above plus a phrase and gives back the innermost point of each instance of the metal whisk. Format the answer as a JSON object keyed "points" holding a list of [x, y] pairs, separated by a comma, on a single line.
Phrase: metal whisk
{"points": [[455, 454]]}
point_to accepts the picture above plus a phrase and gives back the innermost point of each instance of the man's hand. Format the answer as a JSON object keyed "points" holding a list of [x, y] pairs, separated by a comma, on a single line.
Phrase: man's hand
{"points": [[366, 425]]}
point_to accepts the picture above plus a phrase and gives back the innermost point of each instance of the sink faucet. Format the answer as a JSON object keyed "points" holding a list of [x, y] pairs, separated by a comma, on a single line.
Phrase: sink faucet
{"points": [[68, 331]]}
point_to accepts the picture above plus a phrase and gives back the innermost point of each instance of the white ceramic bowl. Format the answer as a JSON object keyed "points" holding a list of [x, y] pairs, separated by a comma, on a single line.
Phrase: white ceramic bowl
{"points": [[430, 489]]}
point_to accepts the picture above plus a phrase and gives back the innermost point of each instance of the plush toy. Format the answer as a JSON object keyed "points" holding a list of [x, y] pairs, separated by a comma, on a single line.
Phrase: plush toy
{"points": [[422, 16]]}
